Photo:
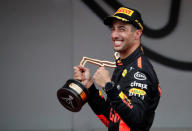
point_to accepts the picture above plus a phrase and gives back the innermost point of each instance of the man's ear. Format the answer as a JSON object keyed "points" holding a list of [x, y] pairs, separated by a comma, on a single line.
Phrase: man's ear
{"points": [[138, 34]]}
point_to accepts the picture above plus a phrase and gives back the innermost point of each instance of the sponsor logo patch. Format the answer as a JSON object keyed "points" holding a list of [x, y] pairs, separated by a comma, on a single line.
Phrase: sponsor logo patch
{"points": [[137, 92], [137, 84], [124, 72], [100, 94], [124, 11], [140, 76], [125, 100], [131, 68]]}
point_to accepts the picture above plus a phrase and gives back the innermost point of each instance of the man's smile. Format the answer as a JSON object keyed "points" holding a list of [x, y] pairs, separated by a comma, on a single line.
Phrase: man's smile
{"points": [[117, 43]]}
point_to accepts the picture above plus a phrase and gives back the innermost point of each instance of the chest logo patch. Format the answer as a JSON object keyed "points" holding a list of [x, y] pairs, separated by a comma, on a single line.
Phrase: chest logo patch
{"points": [[137, 92], [139, 76], [124, 72]]}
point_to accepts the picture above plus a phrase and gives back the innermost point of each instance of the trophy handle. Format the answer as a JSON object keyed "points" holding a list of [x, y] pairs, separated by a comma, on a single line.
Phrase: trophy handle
{"points": [[100, 62]]}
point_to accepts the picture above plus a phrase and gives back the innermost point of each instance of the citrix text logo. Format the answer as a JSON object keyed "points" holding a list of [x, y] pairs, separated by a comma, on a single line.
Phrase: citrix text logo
{"points": [[139, 76], [136, 84]]}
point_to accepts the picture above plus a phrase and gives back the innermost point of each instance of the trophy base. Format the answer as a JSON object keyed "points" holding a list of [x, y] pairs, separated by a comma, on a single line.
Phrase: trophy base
{"points": [[73, 95]]}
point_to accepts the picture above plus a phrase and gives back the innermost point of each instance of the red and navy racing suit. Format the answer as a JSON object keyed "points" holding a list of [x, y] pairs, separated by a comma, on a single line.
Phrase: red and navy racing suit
{"points": [[130, 104]]}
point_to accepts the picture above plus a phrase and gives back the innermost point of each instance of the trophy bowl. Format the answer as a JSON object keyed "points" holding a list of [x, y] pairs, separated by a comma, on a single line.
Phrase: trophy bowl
{"points": [[73, 95]]}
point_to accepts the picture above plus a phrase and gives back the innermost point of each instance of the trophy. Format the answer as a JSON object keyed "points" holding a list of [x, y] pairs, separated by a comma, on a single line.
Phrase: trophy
{"points": [[73, 95]]}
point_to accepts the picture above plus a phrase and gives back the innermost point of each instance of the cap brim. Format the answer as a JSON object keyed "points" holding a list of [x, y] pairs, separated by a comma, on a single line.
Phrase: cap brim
{"points": [[109, 20]]}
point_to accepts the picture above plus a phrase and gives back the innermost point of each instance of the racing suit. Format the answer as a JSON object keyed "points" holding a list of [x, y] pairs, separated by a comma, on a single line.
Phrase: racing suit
{"points": [[131, 102]]}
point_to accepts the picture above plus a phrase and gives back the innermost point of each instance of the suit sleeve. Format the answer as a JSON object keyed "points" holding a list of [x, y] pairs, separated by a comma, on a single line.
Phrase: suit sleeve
{"points": [[134, 97], [99, 105]]}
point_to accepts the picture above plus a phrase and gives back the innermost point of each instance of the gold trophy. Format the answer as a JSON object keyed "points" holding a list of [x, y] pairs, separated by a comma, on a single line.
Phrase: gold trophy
{"points": [[73, 95]]}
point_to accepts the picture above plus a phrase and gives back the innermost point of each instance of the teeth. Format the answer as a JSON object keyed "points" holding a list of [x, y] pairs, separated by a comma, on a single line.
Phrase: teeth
{"points": [[117, 42]]}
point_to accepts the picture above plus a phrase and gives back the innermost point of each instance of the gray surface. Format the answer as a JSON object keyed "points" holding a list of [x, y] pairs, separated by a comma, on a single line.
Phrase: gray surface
{"points": [[34, 52], [41, 41]]}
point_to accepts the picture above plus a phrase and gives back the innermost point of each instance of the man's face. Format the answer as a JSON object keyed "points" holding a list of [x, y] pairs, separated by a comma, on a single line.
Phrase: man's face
{"points": [[122, 36]]}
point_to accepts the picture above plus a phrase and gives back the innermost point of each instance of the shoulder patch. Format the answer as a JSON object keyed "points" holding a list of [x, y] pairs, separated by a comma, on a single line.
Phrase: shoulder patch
{"points": [[139, 62]]}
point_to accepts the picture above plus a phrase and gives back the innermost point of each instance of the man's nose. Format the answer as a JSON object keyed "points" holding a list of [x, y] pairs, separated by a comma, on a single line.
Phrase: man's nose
{"points": [[114, 35]]}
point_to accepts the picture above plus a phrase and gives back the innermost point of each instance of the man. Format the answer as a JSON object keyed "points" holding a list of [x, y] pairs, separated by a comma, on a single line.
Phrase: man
{"points": [[133, 92]]}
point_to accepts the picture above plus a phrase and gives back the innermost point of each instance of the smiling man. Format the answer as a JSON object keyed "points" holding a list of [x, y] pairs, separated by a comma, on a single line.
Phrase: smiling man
{"points": [[133, 92], [125, 38]]}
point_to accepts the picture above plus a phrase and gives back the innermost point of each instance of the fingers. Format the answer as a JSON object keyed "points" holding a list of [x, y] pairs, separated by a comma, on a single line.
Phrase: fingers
{"points": [[101, 69], [77, 73], [80, 68], [81, 73], [98, 73], [101, 76]]}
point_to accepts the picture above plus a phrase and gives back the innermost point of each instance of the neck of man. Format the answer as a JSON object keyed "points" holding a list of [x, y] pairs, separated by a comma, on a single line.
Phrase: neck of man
{"points": [[129, 51]]}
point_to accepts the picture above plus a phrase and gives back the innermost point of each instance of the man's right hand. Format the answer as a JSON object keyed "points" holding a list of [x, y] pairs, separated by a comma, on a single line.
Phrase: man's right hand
{"points": [[84, 75]]}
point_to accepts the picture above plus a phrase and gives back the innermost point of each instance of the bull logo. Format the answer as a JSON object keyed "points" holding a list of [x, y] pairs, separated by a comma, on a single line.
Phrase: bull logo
{"points": [[148, 32]]}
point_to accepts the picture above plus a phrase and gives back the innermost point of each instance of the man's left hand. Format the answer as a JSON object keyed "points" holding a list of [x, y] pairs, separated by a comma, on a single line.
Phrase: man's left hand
{"points": [[101, 77]]}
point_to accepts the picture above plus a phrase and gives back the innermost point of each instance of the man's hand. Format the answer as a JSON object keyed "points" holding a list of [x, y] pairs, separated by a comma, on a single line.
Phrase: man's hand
{"points": [[101, 77], [84, 75]]}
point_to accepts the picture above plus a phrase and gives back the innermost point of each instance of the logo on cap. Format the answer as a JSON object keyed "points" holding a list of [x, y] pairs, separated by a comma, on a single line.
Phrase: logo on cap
{"points": [[124, 11]]}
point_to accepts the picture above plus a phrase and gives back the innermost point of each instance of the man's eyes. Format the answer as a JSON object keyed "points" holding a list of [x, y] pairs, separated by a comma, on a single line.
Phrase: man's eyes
{"points": [[120, 29]]}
